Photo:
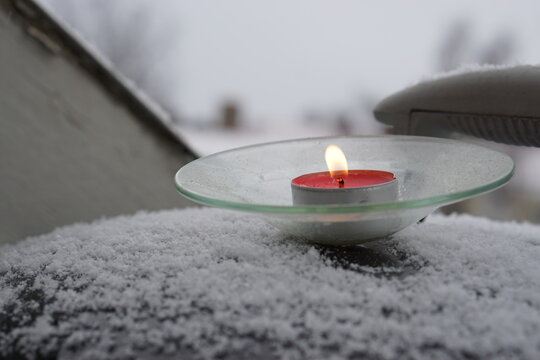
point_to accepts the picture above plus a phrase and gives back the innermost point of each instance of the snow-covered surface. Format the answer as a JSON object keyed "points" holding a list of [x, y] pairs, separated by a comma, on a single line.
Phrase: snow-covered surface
{"points": [[465, 69], [204, 283]]}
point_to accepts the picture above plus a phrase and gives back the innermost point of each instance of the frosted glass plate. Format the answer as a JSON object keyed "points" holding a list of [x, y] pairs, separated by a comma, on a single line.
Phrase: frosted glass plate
{"points": [[431, 172]]}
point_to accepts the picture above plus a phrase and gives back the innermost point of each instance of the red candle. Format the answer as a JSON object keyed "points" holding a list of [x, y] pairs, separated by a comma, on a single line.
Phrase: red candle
{"points": [[342, 186], [344, 179]]}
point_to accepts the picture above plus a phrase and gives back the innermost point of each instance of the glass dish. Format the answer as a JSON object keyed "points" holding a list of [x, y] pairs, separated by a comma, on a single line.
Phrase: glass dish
{"points": [[431, 172]]}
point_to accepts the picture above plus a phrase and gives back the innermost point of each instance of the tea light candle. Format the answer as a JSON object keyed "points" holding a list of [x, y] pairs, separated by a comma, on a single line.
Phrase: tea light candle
{"points": [[342, 186]]}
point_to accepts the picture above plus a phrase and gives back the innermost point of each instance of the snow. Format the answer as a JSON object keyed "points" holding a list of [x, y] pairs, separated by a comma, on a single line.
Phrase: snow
{"points": [[465, 69], [207, 283]]}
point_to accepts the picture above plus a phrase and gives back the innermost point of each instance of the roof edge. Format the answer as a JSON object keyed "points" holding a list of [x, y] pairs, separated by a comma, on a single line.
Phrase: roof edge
{"points": [[57, 38]]}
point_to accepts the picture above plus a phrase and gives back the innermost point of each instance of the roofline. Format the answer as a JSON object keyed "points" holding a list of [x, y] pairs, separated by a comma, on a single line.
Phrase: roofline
{"points": [[42, 26]]}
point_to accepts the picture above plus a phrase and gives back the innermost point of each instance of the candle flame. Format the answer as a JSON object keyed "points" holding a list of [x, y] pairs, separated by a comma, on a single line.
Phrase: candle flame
{"points": [[335, 160]]}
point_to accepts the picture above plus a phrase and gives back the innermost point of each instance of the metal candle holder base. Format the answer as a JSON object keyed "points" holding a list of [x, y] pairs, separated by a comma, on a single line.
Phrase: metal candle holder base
{"points": [[381, 193]]}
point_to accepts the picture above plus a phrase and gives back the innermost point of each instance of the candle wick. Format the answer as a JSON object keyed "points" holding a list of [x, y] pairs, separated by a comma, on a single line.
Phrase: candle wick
{"points": [[341, 182]]}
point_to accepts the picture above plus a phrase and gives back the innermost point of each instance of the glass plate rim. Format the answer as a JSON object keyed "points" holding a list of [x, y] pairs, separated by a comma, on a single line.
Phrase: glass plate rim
{"points": [[433, 201]]}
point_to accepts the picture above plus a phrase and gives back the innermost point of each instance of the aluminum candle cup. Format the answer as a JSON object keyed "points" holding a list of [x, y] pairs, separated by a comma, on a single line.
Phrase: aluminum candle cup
{"points": [[344, 187]]}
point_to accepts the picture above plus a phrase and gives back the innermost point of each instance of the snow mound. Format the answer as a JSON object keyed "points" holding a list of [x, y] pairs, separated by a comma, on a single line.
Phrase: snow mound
{"points": [[209, 283], [465, 69]]}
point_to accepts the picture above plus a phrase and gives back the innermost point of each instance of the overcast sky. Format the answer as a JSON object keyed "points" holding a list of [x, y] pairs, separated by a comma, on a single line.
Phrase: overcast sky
{"points": [[282, 58]]}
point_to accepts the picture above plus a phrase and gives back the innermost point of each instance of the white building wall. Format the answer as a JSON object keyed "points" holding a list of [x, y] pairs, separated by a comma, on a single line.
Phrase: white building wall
{"points": [[69, 151]]}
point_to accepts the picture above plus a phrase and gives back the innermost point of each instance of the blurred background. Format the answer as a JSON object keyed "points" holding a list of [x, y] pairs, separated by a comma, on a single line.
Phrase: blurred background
{"points": [[237, 72]]}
